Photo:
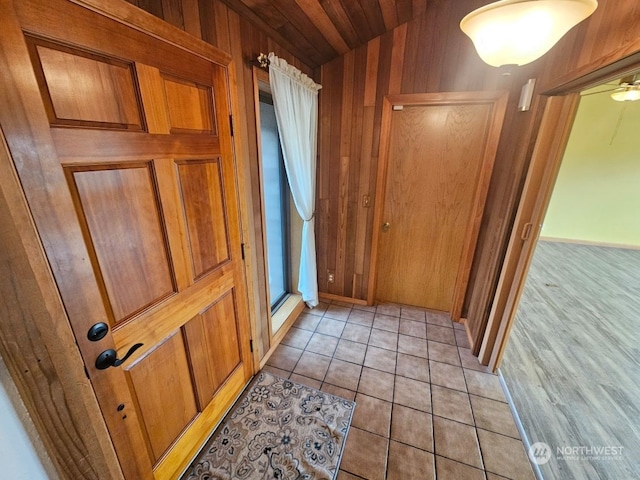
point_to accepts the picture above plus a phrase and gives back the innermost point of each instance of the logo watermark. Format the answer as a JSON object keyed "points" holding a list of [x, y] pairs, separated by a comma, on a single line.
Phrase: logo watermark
{"points": [[540, 453]]}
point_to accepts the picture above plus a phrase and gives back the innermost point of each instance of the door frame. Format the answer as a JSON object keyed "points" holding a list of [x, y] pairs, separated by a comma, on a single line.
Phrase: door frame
{"points": [[562, 99], [499, 99], [36, 340]]}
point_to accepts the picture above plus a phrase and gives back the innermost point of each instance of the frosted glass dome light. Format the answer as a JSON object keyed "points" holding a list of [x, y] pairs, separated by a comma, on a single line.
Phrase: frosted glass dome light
{"points": [[517, 32]]}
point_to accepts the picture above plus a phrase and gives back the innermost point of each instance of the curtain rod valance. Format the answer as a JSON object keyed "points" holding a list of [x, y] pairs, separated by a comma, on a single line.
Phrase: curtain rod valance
{"points": [[291, 71]]}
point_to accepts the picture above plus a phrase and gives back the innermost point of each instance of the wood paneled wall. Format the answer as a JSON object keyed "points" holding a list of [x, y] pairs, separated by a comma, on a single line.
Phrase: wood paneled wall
{"points": [[431, 54], [217, 24]]}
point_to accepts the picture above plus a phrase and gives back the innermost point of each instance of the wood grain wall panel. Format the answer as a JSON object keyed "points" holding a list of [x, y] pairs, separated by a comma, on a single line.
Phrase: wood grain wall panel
{"points": [[431, 54]]}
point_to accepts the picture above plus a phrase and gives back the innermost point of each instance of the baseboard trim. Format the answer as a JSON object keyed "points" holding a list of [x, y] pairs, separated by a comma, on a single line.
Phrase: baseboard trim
{"points": [[277, 337], [339, 298], [589, 242], [523, 434]]}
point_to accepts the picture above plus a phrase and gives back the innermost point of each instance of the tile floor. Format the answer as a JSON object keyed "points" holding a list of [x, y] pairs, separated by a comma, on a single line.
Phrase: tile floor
{"points": [[425, 409]]}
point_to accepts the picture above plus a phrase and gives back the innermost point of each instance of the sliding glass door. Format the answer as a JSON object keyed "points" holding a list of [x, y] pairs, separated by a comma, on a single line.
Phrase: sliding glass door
{"points": [[275, 193]]}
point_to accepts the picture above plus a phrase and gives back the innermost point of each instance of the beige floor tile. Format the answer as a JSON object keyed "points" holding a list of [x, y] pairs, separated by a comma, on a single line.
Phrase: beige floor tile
{"points": [[444, 353], [342, 304], [456, 441], [504, 456], [389, 309], [413, 346], [342, 475], [307, 321], [493, 476], [383, 339], [484, 385], [449, 470], [412, 367], [297, 338], [462, 340], [372, 414], [309, 382], [338, 391], [329, 326], [350, 351], [377, 384], [458, 325], [276, 371], [366, 308], [412, 393], [413, 313], [380, 359], [385, 322], [365, 455], [361, 317], [451, 404], [412, 427], [312, 365], [470, 361], [318, 310], [406, 462], [356, 333], [447, 375], [322, 344], [413, 328], [337, 312], [343, 374], [441, 334], [494, 416], [439, 318], [285, 357]]}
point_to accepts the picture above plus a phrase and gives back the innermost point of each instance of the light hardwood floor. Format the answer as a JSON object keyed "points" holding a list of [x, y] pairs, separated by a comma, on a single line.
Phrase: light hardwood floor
{"points": [[573, 361]]}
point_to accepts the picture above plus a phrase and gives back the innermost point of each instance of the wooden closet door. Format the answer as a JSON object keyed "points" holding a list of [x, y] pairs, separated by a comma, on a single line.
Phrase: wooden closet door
{"points": [[438, 157], [135, 200]]}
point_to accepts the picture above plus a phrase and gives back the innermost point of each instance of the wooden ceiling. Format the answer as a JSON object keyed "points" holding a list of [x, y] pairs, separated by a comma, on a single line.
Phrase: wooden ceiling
{"points": [[317, 31]]}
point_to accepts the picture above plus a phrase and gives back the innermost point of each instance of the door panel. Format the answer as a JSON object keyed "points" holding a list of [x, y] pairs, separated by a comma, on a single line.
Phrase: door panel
{"points": [[202, 189], [189, 106], [213, 334], [163, 392], [141, 228], [124, 227], [106, 96], [437, 167]]}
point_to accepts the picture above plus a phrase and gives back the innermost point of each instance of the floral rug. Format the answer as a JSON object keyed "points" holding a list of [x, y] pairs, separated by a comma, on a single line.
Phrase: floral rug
{"points": [[279, 430]]}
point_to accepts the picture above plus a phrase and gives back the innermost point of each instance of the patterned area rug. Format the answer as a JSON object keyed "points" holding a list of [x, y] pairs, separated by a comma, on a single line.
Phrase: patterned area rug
{"points": [[280, 430]]}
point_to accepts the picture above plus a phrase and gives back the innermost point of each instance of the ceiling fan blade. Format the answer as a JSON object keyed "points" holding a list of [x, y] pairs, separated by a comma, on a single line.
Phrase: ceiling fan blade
{"points": [[601, 91]]}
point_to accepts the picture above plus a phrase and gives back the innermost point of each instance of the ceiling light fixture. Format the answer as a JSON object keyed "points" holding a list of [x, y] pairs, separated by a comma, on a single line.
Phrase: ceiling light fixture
{"points": [[517, 32], [628, 91]]}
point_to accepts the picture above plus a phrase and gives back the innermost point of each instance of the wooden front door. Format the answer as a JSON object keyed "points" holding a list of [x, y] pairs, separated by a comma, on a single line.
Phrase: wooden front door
{"points": [[123, 145], [438, 156]]}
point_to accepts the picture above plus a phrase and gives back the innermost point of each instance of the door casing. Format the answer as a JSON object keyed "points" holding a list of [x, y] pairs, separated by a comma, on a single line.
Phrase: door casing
{"points": [[499, 101]]}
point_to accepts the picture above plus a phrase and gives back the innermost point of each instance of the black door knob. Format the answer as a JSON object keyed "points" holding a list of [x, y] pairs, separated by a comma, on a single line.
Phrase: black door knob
{"points": [[109, 358], [97, 331]]}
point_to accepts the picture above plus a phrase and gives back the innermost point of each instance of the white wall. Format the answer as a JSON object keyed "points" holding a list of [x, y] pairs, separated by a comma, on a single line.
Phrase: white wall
{"points": [[18, 457], [596, 198]]}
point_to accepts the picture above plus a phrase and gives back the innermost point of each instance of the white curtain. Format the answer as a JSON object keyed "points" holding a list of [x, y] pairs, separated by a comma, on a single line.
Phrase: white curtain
{"points": [[295, 100]]}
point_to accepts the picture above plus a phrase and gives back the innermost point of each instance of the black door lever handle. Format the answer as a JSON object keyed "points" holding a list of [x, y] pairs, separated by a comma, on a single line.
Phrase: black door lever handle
{"points": [[109, 358]]}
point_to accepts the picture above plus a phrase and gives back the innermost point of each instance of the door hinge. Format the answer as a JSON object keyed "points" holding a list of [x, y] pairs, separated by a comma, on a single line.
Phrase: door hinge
{"points": [[231, 124], [251, 345], [242, 249]]}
